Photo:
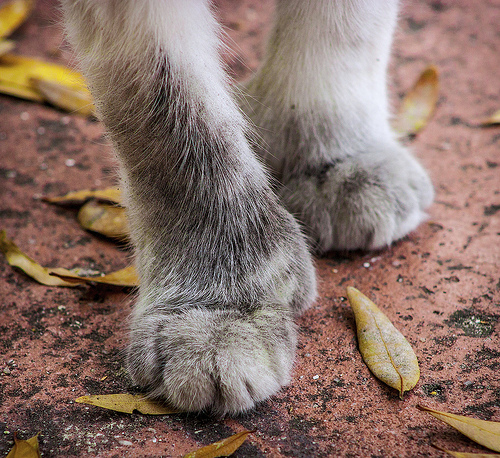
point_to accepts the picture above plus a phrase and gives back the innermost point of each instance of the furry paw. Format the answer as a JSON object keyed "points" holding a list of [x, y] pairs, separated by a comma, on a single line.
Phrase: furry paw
{"points": [[222, 361], [361, 202]]}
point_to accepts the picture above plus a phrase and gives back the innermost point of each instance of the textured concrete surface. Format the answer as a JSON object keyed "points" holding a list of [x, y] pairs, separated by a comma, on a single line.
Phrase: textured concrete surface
{"points": [[439, 286]]}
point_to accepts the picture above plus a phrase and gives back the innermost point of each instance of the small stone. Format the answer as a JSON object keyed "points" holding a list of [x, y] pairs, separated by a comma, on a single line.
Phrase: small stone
{"points": [[6, 371], [70, 162], [316, 377], [366, 264]]}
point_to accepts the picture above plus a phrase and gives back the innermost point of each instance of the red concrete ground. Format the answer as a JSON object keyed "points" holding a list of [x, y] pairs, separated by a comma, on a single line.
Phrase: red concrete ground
{"points": [[439, 286]]}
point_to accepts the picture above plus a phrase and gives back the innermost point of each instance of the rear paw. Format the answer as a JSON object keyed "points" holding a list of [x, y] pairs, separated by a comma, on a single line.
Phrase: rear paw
{"points": [[361, 202]]}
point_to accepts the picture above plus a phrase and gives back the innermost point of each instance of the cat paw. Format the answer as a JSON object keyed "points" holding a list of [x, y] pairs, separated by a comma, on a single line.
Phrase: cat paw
{"points": [[221, 361], [361, 202]]}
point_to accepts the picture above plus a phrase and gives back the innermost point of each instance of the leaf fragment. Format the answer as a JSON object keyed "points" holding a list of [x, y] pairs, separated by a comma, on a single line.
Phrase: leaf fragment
{"points": [[384, 349], [40, 81], [126, 277], [58, 276], [25, 448], [108, 220], [13, 14], [126, 403], [225, 447], [486, 433], [112, 195], [491, 120], [419, 104], [70, 98]]}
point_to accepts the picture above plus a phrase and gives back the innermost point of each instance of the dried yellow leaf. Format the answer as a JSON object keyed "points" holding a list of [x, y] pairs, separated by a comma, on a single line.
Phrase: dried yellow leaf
{"points": [[25, 448], [13, 14], [224, 447], [126, 277], [22, 76], [58, 276], [108, 220], [79, 197], [126, 403], [16, 258], [385, 350], [16, 90], [419, 104], [69, 98], [486, 433], [491, 120]]}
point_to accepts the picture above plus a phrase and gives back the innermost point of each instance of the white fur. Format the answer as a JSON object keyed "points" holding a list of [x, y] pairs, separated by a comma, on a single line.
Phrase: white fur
{"points": [[224, 267]]}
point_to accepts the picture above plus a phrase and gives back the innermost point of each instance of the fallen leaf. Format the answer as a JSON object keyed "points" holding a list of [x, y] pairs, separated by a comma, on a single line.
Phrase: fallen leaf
{"points": [[16, 258], [108, 220], [419, 104], [384, 349], [72, 99], [467, 454], [25, 448], [491, 120], [486, 433], [79, 197], [20, 77], [6, 46], [13, 14], [126, 403], [126, 277], [58, 276], [224, 447]]}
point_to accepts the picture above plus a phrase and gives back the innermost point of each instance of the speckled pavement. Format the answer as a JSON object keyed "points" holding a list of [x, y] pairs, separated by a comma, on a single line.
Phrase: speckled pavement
{"points": [[439, 286]]}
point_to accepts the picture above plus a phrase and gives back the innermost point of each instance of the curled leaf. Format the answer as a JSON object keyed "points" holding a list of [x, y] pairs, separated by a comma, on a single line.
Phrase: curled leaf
{"points": [[25, 448], [486, 433], [13, 14], [126, 403], [108, 220], [419, 104], [58, 276], [79, 197], [384, 349], [224, 447]]}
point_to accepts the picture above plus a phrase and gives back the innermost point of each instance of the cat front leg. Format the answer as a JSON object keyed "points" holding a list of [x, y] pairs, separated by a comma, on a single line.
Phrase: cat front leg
{"points": [[320, 101], [224, 269]]}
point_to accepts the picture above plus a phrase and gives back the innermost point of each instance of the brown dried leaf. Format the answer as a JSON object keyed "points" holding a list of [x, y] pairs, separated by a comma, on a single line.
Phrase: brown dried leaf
{"points": [[126, 403], [384, 349], [224, 447], [58, 276], [25, 448], [108, 220], [79, 197], [491, 120], [486, 433], [467, 454], [419, 104], [13, 14]]}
